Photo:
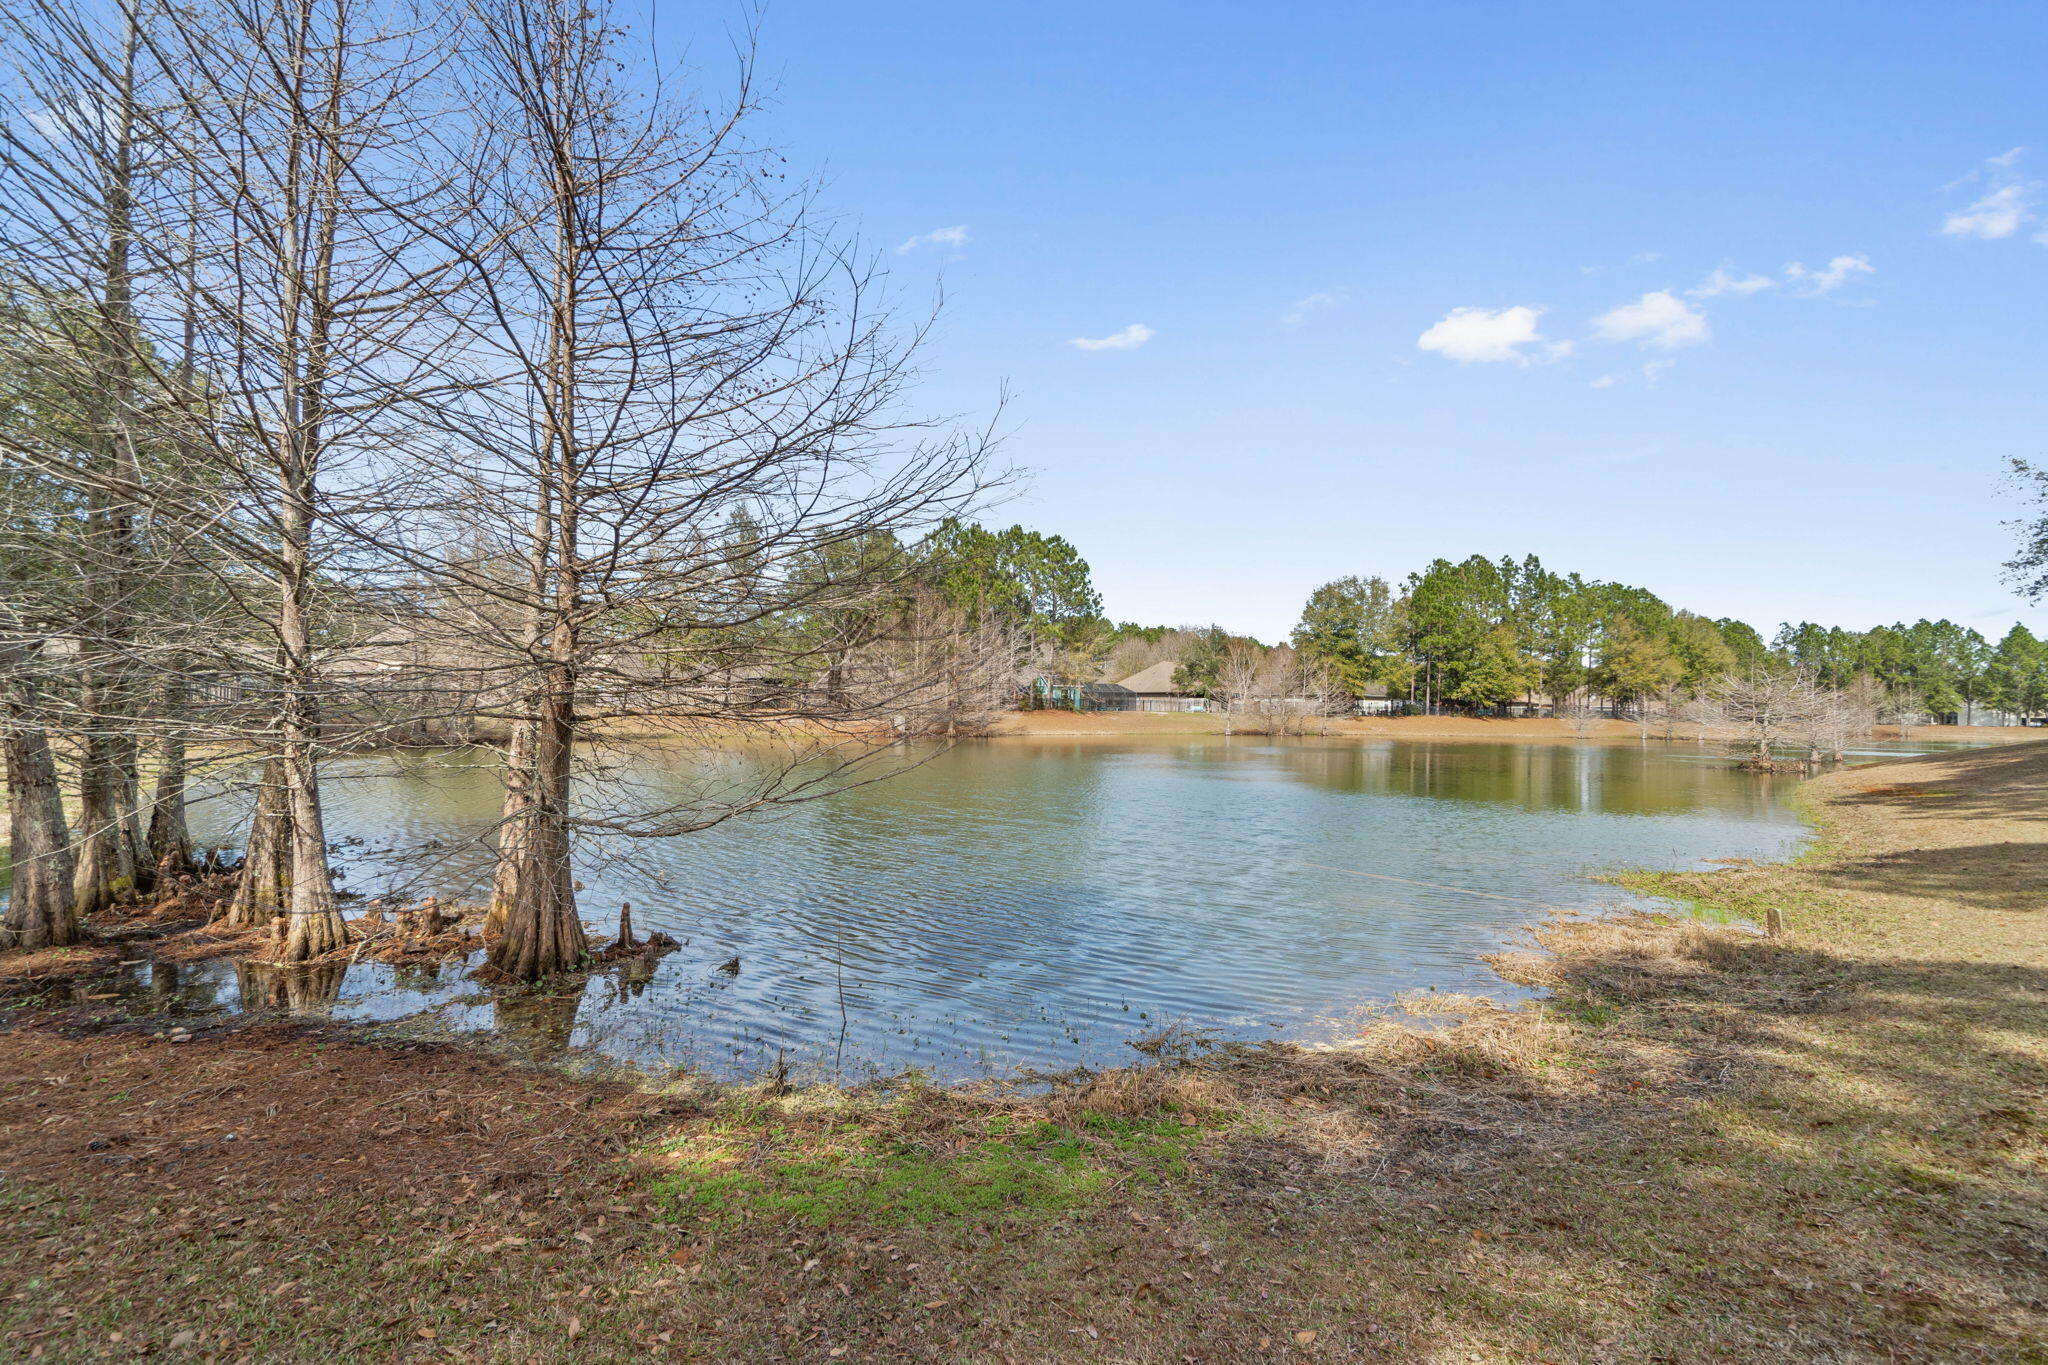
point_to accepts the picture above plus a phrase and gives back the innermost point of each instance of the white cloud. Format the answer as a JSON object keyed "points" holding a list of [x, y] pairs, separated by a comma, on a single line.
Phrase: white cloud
{"points": [[2003, 208], [1721, 282], [1478, 334], [945, 236], [1605, 381], [1299, 310], [1998, 214], [1831, 276], [1654, 371], [1659, 319], [1129, 339]]}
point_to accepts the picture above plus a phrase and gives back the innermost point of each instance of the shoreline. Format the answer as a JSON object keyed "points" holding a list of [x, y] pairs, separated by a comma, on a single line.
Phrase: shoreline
{"points": [[1130, 724], [1701, 1144]]}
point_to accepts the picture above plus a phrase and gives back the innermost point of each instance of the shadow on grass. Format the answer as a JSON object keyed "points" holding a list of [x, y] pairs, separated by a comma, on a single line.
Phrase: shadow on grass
{"points": [[2001, 876]]}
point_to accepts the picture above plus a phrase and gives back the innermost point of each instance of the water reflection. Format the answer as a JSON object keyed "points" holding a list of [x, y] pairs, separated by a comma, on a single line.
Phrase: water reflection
{"points": [[1041, 902], [309, 990]]}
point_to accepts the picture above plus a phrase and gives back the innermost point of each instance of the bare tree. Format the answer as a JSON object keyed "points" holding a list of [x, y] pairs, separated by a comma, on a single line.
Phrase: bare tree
{"points": [[1582, 712], [1237, 681], [1778, 709], [296, 296], [73, 138], [1770, 707], [1702, 711], [661, 345], [1836, 717], [1320, 684]]}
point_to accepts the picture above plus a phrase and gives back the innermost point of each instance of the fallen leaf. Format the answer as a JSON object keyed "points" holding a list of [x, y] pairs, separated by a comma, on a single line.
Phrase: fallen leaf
{"points": [[685, 1255], [428, 1334], [575, 1328], [1304, 1338]]}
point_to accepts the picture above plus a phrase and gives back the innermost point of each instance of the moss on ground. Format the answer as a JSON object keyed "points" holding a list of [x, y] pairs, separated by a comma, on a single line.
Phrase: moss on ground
{"points": [[995, 1169]]}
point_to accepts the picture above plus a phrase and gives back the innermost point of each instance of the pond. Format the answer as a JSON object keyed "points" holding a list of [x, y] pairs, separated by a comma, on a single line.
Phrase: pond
{"points": [[1042, 903]]}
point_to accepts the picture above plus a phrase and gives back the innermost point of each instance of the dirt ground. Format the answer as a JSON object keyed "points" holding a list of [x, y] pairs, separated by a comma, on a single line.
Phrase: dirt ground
{"points": [[1703, 1145]]}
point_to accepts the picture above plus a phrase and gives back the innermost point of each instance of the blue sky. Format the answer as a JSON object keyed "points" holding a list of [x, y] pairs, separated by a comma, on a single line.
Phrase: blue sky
{"points": [[1273, 207]]}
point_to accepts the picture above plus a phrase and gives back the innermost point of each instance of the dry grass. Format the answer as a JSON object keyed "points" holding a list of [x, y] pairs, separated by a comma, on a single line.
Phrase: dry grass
{"points": [[1701, 1145]]}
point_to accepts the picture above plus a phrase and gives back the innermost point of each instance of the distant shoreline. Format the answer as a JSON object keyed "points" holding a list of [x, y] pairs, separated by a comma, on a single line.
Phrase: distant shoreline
{"points": [[1136, 724]]}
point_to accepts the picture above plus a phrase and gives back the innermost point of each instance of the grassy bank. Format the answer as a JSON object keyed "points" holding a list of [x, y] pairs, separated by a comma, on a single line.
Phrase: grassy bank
{"points": [[1705, 1145]]}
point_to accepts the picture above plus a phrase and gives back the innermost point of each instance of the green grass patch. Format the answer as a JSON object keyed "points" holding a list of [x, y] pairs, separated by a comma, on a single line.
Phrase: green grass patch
{"points": [[1715, 899], [994, 1168]]}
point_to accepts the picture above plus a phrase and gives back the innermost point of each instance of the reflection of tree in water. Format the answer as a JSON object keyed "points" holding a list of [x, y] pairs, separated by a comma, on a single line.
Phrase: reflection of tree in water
{"points": [[538, 1022], [174, 985], [295, 990], [629, 979], [416, 976]]}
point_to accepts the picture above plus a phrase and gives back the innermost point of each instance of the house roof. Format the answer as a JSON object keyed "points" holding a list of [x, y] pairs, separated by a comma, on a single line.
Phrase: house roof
{"points": [[1158, 679]]}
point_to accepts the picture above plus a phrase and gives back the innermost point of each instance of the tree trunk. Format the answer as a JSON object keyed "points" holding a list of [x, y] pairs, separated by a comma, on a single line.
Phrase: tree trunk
{"points": [[316, 925], [542, 935], [110, 850], [42, 910], [265, 888], [170, 836], [106, 873], [511, 827]]}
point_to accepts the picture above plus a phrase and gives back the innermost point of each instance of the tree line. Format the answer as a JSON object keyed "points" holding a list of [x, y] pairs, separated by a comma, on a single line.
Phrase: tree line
{"points": [[1486, 635]]}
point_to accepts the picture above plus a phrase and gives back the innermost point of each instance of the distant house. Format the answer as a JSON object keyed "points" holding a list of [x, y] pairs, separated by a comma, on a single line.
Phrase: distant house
{"points": [[1149, 689], [1376, 702]]}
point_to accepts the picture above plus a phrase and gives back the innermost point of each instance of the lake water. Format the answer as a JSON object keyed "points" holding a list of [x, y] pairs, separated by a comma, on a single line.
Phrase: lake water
{"points": [[1040, 903]]}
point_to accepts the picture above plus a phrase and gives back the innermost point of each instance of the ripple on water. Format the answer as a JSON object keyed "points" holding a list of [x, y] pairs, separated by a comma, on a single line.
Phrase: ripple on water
{"points": [[1040, 904]]}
